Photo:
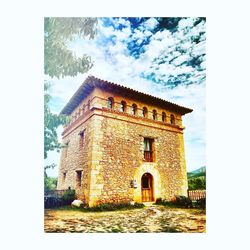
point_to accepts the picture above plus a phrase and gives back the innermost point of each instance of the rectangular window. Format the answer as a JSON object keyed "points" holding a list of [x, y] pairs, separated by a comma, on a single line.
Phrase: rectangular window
{"points": [[64, 177], [81, 138], [148, 149], [79, 178], [66, 149]]}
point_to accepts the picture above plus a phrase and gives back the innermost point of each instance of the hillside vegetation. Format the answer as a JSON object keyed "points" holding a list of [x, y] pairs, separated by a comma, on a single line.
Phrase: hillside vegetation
{"points": [[197, 179]]}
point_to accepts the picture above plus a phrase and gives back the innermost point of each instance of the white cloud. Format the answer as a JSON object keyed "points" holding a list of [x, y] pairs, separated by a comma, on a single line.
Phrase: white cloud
{"points": [[113, 62], [203, 65], [118, 48], [138, 34], [147, 33], [199, 49], [181, 59], [106, 31], [121, 21], [151, 23], [186, 23], [182, 70]]}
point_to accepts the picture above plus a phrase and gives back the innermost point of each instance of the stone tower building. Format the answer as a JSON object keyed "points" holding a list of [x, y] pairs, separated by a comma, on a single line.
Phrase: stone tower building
{"points": [[122, 145]]}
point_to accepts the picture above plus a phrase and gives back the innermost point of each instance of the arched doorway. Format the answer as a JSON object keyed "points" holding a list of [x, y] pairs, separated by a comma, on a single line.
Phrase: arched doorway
{"points": [[147, 191]]}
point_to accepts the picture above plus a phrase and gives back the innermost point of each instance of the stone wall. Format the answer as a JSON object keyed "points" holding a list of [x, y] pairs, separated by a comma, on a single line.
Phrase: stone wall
{"points": [[78, 154], [112, 154], [122, 160], [75, 158]]}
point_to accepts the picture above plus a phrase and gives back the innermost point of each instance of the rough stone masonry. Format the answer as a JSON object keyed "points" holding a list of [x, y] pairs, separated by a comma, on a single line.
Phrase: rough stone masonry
{"points": [[122, 145]]}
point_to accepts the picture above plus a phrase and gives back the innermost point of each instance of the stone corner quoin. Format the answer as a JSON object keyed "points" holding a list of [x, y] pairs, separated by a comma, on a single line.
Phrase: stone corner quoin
{"points": [[122, 145]]}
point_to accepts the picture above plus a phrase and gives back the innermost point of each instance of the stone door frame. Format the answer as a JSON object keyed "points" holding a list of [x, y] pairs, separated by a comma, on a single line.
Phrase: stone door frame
{"points": [[150, 168]]}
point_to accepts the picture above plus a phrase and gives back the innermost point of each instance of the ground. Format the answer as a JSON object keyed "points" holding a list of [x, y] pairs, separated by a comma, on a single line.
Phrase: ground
{"points": [[151, 219]]}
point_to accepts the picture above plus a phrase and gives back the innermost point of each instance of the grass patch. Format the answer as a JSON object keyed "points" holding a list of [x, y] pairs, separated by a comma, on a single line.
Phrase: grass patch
{"points": [[115, 230], [166, 203], [178, 202], [141, 231], [166, 229], [199, 211], [102, 207]]}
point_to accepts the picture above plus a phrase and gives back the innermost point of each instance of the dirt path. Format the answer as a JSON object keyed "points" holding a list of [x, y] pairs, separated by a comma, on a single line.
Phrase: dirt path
{"points": [[149, 219]]}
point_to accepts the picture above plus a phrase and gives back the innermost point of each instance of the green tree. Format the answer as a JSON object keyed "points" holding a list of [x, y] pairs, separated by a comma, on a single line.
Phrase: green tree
{"points": [[51, 123], [197, 183], [50, 183], [60, 61]]}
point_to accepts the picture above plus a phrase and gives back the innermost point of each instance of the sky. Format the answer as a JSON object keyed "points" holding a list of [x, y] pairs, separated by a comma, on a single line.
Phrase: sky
{"points": [[164, 57]]}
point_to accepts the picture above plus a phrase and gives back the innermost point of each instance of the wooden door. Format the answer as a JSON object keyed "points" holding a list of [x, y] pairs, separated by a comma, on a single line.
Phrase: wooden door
{"points": [[147, 187]]}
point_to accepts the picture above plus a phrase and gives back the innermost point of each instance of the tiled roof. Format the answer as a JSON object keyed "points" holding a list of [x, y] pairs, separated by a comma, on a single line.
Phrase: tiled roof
{"points": [[91, 82]]}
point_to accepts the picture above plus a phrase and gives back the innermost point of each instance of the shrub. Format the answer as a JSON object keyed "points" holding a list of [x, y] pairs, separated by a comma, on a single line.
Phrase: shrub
{"points": [[113, 207], [68, 196], [158, 201], [178, 201], [201, 203], [197, 183], [183, 201], [54, 200], [138, 205]]}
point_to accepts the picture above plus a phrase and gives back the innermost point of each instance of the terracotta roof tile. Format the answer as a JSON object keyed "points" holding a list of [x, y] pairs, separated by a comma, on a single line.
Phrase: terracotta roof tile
{"points": [[92, 81]]}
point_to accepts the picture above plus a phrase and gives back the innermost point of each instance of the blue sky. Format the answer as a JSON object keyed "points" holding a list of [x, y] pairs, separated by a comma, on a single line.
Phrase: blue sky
{"points": [[164, 57]]}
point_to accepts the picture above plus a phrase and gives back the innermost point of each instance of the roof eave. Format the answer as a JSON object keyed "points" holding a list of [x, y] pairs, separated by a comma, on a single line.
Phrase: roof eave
{"points": [[91, 82]]}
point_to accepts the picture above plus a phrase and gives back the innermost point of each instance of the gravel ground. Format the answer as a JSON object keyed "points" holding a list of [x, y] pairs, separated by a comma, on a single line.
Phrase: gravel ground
{"points": [[152, 219]]}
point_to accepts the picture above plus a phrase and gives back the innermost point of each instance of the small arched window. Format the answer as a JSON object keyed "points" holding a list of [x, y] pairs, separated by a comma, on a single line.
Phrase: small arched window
{"points": [[83, 108], [123, 106], [110, 103], [163, 116], [154, 115], [172, 119], [134, 109], [145, 112]]}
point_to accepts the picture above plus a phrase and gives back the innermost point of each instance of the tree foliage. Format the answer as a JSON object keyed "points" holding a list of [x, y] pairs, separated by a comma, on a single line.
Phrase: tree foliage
{"points": [[50, 183], [59, 60], [51, 123], [198, 183]]}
